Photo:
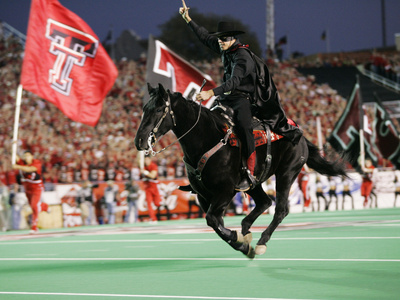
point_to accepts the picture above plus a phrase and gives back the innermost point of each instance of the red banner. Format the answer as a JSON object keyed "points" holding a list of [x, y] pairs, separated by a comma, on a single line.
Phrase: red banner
{"points": [[65, 62], [385, 135], [345, 137], [166, 67]]}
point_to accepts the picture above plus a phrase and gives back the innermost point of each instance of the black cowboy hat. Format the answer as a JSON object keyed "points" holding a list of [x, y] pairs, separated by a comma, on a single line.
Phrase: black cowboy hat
{"points": [[226, 29]]}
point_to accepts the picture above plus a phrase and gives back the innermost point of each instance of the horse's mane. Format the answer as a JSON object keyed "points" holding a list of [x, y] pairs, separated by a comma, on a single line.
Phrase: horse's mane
{"points": [[215, 117]]}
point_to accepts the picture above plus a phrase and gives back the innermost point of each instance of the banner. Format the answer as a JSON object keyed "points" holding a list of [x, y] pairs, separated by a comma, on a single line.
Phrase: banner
{"points": [[65, 63], [323, 35], [174, 73], [385, 136], [282, 40], [345, 137]]}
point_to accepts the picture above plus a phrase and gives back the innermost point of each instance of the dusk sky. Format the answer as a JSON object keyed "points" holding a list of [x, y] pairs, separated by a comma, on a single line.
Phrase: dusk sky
{"points": [[351, 24]]}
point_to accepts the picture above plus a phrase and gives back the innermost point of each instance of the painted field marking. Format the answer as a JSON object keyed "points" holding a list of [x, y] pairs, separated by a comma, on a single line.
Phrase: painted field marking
{"points": [[197, 259], [142, 296], [30, 242]]}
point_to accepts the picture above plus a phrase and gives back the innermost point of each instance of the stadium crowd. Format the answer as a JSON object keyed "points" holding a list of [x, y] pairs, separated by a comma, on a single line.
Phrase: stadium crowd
{"points": [[73, 152], [385, 65]]}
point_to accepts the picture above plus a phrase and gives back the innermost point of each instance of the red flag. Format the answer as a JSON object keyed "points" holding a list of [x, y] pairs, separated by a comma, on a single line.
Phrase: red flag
{"points": [[65, 62], [345, 137], [166, 67], [386, 137], [282, 40], [323, 35]]}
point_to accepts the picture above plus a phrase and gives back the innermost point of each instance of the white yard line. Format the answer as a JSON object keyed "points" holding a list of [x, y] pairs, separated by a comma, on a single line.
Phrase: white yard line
{"points": [[142, 296], [183, 240], [196, 259]]}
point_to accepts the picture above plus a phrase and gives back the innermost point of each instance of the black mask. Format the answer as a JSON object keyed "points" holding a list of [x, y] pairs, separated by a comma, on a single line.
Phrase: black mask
{"points": [[226, 38]]}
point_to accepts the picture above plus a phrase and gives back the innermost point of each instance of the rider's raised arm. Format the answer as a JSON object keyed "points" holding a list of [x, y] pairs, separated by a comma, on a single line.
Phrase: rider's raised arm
{"points": [[184, 11], [201, 33]]}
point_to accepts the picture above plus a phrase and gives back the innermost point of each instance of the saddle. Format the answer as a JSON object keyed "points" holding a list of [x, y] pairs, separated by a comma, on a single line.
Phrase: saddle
{"points": [[259, 128], [259, 133], [262, 135]]}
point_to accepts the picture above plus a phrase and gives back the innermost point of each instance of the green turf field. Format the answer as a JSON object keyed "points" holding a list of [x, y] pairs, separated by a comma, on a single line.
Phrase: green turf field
{"points": [[324, 255]]}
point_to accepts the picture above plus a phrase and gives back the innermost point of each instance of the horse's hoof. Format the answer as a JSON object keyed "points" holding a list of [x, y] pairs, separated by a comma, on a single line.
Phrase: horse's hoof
{"points": [[251, 254], [248, 238], [240, 239], [260, 249]]}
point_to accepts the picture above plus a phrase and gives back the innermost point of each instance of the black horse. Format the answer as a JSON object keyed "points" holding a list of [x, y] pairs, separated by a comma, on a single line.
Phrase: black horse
{"points": [[213, 165]]}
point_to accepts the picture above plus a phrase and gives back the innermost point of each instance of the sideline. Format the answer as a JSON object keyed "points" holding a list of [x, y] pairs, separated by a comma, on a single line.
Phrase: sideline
{"points": [[197, 259], [144, 296], [196, 240]]}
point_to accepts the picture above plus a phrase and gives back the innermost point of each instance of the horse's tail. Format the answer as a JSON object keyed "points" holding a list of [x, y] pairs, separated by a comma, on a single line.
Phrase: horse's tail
{"points": [[321, 165]]}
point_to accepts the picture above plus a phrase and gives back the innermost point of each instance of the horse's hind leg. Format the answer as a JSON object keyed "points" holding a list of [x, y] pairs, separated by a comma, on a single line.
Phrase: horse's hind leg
{"points": [[233, 238], [262, 201], [281, 211], [283, 184]]}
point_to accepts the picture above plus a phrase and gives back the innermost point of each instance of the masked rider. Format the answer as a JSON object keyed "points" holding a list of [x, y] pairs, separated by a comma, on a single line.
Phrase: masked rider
{"points": [[237, 88]]}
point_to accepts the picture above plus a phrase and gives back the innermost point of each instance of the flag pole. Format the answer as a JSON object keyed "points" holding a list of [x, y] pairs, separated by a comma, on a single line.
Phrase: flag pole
{"points": [[319, 134], [16, 124], [361, 116], [141, 160], [328, 44], [362, 149]]}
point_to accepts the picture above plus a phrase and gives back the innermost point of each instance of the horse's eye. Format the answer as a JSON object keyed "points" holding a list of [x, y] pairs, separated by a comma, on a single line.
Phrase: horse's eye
{"points": [[159, 109]]}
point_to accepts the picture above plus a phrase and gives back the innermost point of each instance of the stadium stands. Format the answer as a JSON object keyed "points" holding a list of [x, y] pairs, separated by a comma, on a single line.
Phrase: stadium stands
{"points": [[69, 150]]}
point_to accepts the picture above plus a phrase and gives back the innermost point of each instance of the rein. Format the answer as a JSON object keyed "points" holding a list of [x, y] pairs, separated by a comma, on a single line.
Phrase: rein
{"points": [[168, 108]]}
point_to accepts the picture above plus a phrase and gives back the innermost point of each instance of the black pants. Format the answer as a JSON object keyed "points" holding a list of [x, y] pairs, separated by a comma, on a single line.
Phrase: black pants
{"points": [[240, 103]]}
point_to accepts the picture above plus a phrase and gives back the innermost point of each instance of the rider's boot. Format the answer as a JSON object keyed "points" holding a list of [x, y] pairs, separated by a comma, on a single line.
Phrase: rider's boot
{"points": [[247, 179], [186, 188]]}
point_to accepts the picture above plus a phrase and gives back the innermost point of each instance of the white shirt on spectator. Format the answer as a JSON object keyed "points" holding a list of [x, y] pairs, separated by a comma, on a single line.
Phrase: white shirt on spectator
{"points": [[110, 193]]}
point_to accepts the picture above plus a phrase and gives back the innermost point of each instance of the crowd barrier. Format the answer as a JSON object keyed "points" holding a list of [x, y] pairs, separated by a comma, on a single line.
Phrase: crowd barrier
{"points": [[66, 212]]}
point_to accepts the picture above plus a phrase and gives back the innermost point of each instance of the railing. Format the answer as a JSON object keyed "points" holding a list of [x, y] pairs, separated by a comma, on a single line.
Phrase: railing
{"points": [[8, 31], [382, 80]]}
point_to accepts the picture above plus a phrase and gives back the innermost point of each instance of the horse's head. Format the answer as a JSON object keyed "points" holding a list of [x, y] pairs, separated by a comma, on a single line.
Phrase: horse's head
{"points": [[157, 118]]}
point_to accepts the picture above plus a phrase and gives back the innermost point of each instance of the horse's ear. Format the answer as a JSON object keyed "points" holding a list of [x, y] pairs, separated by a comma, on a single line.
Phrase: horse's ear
{"points": [[162, 91], [150, 88]]}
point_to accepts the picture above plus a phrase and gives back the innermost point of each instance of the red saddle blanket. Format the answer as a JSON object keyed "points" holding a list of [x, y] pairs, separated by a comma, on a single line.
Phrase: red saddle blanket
{"points": [[260, 138]]}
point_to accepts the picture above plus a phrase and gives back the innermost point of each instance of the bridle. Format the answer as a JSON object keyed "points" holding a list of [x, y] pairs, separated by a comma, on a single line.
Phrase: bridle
{"points": [[168, 110]]}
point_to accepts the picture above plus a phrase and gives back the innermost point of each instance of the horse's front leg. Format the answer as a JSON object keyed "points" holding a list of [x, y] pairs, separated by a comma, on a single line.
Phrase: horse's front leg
{"points": [[283, 183], [233, 238]]}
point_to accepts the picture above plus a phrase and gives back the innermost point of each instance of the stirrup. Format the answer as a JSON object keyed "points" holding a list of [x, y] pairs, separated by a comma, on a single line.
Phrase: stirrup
{"points": [[247, 181]]}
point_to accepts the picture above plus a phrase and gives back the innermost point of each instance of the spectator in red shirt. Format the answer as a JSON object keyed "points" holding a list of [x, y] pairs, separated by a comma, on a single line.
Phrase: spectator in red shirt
{"points": [[150, 180], [30, 171], [11, 177], [303, 185], [367, 184], [3, 175]]}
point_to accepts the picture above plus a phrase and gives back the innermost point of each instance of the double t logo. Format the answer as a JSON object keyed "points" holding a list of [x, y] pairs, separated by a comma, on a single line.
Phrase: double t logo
{"points": [[71, 47]]}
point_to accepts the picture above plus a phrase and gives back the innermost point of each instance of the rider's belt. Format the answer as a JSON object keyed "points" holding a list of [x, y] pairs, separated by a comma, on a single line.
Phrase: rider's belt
{"points": [[237, 94]]}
